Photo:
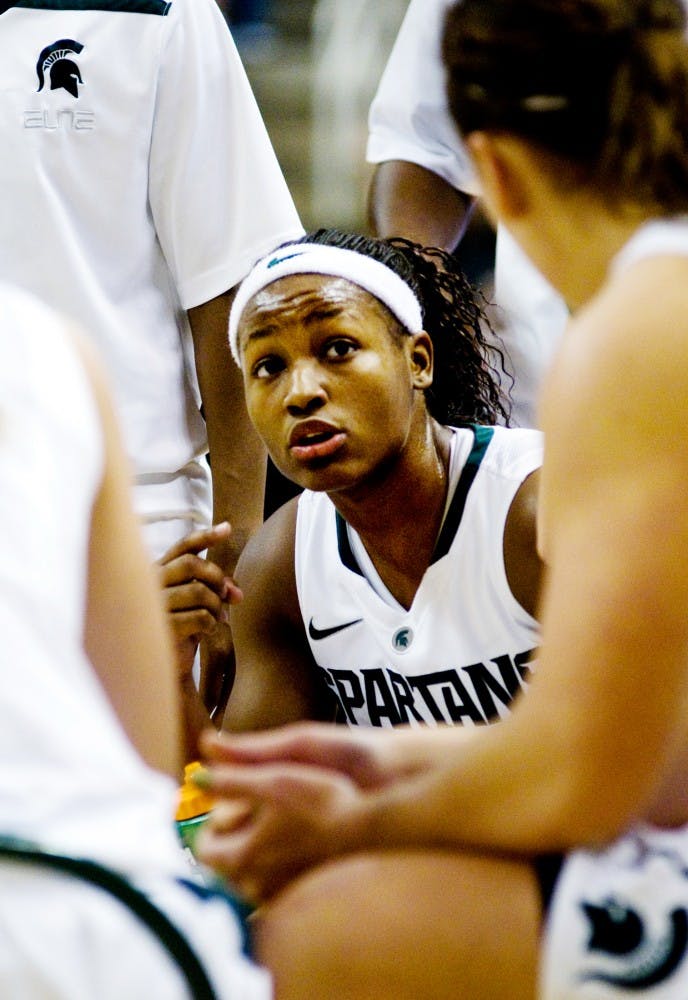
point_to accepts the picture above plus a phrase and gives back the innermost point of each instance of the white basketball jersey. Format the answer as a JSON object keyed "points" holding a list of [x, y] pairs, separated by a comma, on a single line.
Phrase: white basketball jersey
{"points": [[464, 648], [658, 237]]}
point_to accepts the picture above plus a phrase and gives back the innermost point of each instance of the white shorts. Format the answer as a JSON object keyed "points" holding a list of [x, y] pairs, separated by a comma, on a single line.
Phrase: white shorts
{"points": [[64, 939], [618, 923]]}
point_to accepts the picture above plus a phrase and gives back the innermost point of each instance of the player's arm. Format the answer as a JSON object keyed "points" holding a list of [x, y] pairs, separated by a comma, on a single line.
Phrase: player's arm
{"points": [[197, 596], [422, 169], [585, 753], [126, 636], [409, 200], [276, 679], [238, 461]]}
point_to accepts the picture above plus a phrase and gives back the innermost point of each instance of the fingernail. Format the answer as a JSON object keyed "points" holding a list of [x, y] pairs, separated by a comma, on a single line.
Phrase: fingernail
{"points": [[202, 778]]}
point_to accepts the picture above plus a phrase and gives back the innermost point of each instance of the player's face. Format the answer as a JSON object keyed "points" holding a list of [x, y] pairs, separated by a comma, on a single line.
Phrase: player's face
{"points": [[331, 387]]}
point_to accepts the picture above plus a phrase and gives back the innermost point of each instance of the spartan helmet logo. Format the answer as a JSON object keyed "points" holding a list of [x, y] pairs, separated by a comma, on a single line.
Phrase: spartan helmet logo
{"points": [[64, 72], [402, 639]]}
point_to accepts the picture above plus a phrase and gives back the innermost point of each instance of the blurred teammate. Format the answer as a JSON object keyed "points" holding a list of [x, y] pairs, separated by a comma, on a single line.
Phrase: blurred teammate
{"points": [[140, 186], [95, 897]]}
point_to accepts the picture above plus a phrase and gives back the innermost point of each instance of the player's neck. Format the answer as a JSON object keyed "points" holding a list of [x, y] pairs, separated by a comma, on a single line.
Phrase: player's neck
{"points": [[399, 517], [597, 234]]}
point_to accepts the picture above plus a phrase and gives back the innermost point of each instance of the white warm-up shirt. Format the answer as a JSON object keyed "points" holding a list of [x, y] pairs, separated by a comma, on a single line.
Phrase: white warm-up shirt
{"points": [[139, 181]]}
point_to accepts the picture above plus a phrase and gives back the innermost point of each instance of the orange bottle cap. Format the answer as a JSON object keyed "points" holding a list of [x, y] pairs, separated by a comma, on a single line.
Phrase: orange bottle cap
{"points": [[193, 801]]}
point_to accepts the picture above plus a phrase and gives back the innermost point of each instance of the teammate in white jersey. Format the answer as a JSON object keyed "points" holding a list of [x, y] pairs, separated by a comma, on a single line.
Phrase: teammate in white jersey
{"points": [[95, 898], [400, 587], [140, 185], [576, 114], [424, 187]]}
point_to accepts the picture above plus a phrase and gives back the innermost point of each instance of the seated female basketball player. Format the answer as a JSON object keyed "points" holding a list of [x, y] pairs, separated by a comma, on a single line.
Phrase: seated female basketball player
{"points": [[400, 586]]}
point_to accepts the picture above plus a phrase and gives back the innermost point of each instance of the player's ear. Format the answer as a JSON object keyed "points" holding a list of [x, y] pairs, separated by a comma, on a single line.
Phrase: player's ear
{"points": [[420, 356], [502, 172]]}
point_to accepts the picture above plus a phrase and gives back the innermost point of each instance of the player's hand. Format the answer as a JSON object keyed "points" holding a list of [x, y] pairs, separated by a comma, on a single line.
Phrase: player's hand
{"points": [[196, 592], [273, 821], [291, 798], [371, 758]]}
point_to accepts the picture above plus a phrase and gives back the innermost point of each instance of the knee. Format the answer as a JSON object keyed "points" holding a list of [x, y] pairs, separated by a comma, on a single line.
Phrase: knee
{"points": [[321, 935]]}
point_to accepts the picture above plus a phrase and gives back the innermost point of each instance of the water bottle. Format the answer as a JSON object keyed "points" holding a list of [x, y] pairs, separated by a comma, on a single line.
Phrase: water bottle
{"points": [[193, 808]]}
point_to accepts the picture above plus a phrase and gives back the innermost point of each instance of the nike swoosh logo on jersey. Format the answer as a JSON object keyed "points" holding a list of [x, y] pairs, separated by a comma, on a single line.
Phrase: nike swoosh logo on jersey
{"points": [[322, 633]]}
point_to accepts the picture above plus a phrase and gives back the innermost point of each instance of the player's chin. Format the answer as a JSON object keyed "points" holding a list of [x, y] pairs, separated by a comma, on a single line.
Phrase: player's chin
{"points": [[321, 475]]}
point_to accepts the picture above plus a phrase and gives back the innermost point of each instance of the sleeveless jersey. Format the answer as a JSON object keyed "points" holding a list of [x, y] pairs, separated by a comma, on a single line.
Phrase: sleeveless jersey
{"points": [[660, 237], [464, 648]]}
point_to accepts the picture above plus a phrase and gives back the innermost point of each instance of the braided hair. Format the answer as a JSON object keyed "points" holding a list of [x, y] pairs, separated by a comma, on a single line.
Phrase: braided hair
{"points": [[468, 368]]}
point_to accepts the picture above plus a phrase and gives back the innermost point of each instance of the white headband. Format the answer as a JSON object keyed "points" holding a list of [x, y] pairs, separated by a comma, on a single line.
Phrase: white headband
{"points": [[316, 258]]}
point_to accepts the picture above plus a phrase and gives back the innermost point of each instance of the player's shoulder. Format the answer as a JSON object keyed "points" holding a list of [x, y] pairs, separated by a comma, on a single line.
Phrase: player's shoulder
{"points": [[513, 451], [626, 353], [269, 553]]}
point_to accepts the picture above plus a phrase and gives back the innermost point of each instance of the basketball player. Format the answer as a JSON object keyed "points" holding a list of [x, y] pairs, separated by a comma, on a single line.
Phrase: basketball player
{"points": [[400, 587], [465, 896]]}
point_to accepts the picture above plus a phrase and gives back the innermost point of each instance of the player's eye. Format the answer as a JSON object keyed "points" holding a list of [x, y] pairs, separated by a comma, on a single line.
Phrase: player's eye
{"points": [[267, 367], [340, 347]]}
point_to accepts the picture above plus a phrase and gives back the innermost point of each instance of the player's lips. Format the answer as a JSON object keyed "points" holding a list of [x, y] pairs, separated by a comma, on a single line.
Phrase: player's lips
{"points": [[315, 439]]}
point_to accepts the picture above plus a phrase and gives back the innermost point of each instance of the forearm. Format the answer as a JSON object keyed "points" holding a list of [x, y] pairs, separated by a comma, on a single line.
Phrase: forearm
{"points": [[408, 200], [125, 635], [238, 465], [237, 455], [474, 797], [238, 472], [586, 748], [195, 718]]}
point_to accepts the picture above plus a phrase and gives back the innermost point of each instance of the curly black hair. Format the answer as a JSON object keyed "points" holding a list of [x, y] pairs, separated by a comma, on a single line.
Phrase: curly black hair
{"points": [[469, 369]]}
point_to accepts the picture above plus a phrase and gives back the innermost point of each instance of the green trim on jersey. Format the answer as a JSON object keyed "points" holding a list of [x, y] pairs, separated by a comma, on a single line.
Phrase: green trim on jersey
{"points": [[157, 7], [481, 439], [482, 435]]}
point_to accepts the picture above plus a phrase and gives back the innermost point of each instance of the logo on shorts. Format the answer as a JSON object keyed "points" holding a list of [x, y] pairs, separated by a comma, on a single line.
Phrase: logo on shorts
{"points": [[619, 932], [55, 63]]}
